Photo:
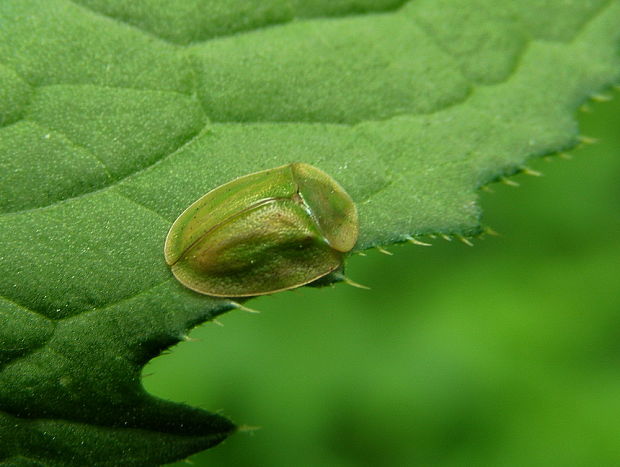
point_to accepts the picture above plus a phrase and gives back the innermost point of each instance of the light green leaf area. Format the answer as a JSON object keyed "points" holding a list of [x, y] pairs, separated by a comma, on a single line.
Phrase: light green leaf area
{"points": [[115, 115]]}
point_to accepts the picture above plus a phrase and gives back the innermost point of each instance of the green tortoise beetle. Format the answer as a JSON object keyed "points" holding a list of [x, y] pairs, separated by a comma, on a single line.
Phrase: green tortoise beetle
{"points": [[265, 232]]}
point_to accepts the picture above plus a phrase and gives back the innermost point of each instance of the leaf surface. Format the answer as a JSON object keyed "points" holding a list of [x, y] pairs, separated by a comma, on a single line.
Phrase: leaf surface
{"points": [[114, 116]]}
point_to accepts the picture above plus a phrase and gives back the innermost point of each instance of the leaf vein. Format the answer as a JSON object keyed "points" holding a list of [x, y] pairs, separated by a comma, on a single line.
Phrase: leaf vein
{"points": [[293, 18], [115, 182], [74, 145]]}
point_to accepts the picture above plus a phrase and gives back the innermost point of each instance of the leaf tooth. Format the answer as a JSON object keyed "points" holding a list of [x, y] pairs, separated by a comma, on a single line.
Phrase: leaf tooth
{"points": [[601, 97], [508, 181], [384, 251], [531, 172], [248, 428], [489, 231], [355, 284], [352, 283], [415, 241], [241, 307], [587, 140], [465, 240], [186, 338]]}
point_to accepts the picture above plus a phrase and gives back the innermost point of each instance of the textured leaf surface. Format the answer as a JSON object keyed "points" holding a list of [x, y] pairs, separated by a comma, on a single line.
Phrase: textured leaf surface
{"points": [[116, 115]]}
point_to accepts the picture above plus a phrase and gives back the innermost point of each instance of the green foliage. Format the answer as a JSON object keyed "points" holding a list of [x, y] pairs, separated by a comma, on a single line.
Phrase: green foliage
{"points": [[114, 117]]}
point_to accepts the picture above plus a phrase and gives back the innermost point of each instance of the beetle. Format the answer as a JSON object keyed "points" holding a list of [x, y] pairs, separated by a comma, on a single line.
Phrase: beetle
{"points": [[265, 232]]}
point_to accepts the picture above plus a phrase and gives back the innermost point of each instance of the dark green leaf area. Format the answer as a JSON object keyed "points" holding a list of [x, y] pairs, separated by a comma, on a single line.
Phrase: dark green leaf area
{"points": [[72, 392], [72, 350], [115, 116], [63, 443]]}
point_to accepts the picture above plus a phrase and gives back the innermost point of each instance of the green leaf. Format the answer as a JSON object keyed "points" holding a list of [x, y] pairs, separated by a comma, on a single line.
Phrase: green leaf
{"points": [[115, 115]]}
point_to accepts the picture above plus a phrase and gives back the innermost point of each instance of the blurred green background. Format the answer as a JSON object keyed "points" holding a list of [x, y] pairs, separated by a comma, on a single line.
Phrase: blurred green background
{"points": [[507, 353]]}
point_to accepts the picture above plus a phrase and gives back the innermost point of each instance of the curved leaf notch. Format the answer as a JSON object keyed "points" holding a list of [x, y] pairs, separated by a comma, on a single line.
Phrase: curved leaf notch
{"points": [[115, 115]]}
